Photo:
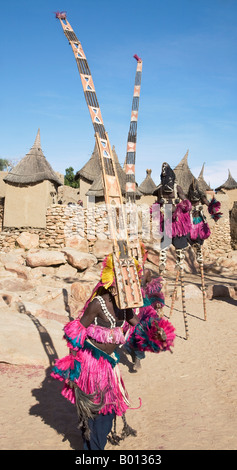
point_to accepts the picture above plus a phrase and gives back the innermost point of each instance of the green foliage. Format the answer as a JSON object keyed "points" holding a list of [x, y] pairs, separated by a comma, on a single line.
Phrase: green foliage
{"points": [[69, 178], [3, 164]]}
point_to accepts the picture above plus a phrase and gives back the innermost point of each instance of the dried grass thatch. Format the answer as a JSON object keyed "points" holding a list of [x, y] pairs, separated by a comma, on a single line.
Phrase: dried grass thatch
{"points": [[183, 174], [230, 183], [92, 172], [33, 168], [147, 187], [203, 186]]}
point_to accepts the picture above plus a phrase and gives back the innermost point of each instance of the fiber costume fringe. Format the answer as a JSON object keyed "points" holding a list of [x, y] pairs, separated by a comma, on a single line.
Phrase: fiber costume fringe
{"points": [[153, 295], [91, 377], [200, 230], [180, 225], [114, 438], [214, 209], [199, 227], [143, 336], [95, 372]]}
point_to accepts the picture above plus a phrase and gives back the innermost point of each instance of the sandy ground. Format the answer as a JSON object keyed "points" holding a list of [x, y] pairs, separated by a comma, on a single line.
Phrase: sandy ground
{"points": [[189, 398]]}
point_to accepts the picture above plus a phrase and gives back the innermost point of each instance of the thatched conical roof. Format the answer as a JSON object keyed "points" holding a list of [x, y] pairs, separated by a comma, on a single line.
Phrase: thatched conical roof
{"points": [[96, 188], [147, 187], [230, 183], [91, 171], [33, 168], [203, 186], [183, 174]]}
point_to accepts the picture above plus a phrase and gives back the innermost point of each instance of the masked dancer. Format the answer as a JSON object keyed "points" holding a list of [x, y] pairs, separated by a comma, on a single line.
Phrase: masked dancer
{"points": [[178, 229], [200, 229], [90, 372]]}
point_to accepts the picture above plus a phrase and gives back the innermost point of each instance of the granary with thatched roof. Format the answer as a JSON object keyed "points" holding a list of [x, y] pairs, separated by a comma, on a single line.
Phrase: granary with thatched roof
{"points": [[146, 188], [203, 186], [91, 180], [183, 174], [228, 189], [229, 184], [31, 186]]}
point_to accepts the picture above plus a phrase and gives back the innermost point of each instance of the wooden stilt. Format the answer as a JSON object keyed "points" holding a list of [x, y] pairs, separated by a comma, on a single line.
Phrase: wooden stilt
{"points": [[180, 259], [203, 291], [198, 249], [184, 304], [174, 292]]}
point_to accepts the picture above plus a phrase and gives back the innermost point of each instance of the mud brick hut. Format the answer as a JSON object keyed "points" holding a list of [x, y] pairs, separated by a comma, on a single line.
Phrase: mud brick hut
{"points": [[203, 186], [146, 188], [183, 174], [31, 186], [90, 177], [91, 182]]}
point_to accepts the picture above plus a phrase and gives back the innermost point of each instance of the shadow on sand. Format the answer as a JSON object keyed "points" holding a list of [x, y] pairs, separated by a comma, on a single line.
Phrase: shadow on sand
{"points": [[52, 407]]}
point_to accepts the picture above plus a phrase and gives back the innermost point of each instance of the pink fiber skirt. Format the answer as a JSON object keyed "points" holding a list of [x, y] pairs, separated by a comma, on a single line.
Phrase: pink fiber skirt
{"points": [[95, 375]]}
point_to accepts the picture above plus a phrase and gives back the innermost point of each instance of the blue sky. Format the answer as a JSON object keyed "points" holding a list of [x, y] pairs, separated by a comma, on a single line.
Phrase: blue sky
{"points": [[188, 91]]}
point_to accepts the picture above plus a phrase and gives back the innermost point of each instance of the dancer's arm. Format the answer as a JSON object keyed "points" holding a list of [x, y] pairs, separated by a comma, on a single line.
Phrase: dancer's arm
{"points": [[92, 311]]}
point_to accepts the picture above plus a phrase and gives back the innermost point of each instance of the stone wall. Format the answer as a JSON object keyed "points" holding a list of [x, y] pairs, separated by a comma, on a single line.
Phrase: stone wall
{"points": [[67, 225], [233, 226], [219, 242]]}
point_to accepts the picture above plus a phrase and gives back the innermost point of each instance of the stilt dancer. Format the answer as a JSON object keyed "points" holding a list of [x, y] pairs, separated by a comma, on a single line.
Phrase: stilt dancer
{"points": [[200, 229], [177, 229]]}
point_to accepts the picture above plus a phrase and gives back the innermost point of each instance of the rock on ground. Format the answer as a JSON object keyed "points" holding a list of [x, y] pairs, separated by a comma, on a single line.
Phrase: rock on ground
{"points": [[45, 258], [79, 260]]}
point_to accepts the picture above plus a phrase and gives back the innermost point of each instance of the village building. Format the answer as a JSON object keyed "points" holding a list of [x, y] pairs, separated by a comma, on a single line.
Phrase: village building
{"points": [[146, 188], [183, 174], [229, 184], [30, 187], [226, 193], [34, 199], [229, 188], [91, 182], [203, 186], [91, 179]]}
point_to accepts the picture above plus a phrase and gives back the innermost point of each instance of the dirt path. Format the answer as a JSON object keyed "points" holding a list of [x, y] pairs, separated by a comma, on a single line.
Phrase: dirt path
{"points": [[189, 398]]}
